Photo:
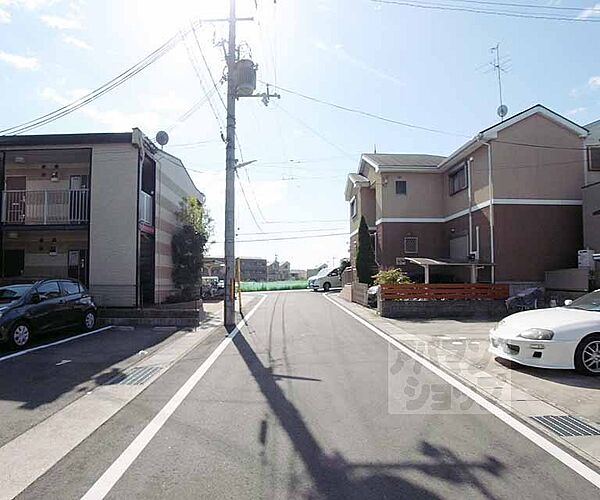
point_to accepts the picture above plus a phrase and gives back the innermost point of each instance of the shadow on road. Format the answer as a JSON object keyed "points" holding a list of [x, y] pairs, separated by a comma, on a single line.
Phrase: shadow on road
{"points": [[46, 375], [334, 477]]}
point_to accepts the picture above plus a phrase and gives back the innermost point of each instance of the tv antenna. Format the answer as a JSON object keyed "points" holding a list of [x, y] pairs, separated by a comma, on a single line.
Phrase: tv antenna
{"points": [[498, 65]]}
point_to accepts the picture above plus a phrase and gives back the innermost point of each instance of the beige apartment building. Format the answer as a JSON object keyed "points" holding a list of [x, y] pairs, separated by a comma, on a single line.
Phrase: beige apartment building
{"points": [[97, 207], [510, 200]]}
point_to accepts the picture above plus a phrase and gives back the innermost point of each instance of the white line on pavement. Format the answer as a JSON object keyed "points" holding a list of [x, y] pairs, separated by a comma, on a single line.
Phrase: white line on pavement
{"points": [[110, 477], [51, 344], [536, 438]]}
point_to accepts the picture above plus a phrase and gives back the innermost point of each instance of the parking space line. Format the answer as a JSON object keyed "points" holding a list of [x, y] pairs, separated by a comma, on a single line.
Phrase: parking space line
{"points": [[52, 344], [110, 477], [566, 458]]}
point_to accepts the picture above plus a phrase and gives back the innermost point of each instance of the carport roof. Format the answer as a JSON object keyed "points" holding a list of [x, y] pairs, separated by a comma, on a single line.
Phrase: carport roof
{"points": [[427, 261]]}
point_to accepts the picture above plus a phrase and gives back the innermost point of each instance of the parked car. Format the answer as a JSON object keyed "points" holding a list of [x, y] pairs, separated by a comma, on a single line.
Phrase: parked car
{"points": [[326, 279], [41, 306], [563, 337]]}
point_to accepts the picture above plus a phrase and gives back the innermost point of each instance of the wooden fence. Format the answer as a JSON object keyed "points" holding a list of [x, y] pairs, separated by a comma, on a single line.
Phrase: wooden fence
{"points": [[451, 291]]}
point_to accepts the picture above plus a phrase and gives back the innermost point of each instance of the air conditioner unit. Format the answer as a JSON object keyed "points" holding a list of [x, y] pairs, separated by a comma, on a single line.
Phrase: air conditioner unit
{"points": [[585, 259]]}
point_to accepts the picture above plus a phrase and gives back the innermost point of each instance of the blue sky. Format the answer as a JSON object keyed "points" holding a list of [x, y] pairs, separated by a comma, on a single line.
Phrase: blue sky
{"points": [[426, 67]]}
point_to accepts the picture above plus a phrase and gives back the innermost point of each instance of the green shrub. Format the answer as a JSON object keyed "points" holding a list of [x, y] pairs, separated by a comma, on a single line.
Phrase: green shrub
{"points": [[391, 277]]}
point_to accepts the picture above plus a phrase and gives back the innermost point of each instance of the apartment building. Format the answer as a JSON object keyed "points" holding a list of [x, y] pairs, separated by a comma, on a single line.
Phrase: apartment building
{"points": [[510, 199], [97, 207]]}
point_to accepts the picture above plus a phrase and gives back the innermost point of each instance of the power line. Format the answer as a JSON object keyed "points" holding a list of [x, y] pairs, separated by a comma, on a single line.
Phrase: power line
{"points": [[295, 231], [523, 15], [99, 91], [195, 107], [193, 144], [247, 203], [364, 113], [193, 62], [256, 240], [309, 128], [524, 5]]}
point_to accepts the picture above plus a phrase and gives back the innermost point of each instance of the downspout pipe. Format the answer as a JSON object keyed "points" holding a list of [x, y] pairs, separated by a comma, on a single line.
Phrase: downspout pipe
{"points": [[491, 195], [469, 164]]}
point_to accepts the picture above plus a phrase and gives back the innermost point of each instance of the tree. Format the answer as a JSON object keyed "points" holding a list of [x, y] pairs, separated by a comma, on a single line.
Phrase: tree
{"points": [[365, 256], [188, 244]]}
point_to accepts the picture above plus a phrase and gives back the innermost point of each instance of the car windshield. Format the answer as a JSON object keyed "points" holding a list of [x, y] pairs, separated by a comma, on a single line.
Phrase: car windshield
{"points": [[589, 302], [13, 292]]}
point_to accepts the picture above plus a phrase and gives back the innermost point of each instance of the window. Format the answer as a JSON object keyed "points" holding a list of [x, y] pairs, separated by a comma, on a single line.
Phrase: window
{"points": [[400, 187], [594, 158], [411, 244], [458, 180], [70, 287], [49, 290], [353, 207]]}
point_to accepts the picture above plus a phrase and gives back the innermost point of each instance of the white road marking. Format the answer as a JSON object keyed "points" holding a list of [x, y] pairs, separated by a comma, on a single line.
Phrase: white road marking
{"points": [[457, 342], [110, 477], [52, 344], [570, 461], [63, 362]]}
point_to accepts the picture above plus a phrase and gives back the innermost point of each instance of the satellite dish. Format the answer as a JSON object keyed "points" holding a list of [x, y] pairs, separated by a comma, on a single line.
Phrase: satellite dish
{"points": [[502, 110], [162, 137]]}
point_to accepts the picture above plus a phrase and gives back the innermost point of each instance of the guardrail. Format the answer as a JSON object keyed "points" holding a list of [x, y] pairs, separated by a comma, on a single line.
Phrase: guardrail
{"points": [[442, 291], [45, 207]]}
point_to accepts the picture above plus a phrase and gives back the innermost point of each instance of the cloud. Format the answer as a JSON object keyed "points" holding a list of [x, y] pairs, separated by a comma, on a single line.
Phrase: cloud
{"points": [[590, 12], [76, 42], [340, 53], [113, 119], [576, 111], [5, 16], [594, 82], [61, 23], [19, 62]]}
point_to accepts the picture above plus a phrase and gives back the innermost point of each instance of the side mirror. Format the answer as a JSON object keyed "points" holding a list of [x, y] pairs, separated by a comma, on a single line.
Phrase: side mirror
{"points": [[35, 298], [568, 302]]}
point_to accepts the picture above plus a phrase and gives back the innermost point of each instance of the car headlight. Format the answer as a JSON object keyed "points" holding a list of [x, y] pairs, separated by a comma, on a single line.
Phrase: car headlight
{"points": [[537, 334]]}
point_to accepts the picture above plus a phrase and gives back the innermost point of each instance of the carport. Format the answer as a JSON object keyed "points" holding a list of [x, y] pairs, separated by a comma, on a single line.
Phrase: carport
{"points": [[426, 263]]}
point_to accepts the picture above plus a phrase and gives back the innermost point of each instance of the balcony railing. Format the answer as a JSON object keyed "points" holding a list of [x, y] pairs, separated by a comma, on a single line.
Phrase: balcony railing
{"points": [[45, 207], [146, 208]]}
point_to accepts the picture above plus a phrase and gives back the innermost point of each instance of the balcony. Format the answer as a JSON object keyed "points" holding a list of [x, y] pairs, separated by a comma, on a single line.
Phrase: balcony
{"points": [[146, 209], [45, 207]]}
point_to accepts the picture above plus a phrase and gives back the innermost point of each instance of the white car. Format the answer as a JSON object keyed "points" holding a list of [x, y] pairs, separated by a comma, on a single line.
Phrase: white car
{"points": [[562, 337], [326, 279]]}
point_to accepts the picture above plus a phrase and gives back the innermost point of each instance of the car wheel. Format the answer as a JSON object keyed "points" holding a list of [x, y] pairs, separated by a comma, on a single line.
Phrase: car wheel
{"points": [[326, 287], [89, 320], [587, 355], [20, 335]]}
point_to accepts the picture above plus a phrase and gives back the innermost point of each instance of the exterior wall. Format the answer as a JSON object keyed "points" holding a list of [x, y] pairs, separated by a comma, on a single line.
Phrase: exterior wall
{"points": [[532, 239], [391, 240], [113, 224], [591, 222], [38, 261], [593, 139], [531, 172], [367, 206], [423, 195], [173, 183]]}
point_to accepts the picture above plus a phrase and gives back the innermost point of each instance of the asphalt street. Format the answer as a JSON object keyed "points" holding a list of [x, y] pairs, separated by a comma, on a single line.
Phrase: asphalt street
{"points": [[305, 402]]}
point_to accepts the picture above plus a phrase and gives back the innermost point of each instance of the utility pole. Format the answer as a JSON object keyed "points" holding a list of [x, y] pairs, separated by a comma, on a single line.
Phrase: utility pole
{"points": [[238, 85], [229, 313]]}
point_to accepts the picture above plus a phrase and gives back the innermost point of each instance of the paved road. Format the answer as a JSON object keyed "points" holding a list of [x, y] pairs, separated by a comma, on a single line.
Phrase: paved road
{"points": [[297, 406]]}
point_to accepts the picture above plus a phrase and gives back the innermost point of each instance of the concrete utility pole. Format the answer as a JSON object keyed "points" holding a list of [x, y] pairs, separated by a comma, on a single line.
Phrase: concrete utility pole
{"points": [[229, 313]]}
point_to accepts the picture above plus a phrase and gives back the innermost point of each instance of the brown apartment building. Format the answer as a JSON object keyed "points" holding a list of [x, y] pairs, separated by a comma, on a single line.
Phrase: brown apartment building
{"points": [[510, 199]]}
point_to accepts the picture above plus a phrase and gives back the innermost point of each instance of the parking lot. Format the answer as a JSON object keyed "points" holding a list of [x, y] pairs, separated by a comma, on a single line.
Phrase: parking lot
{"points": [[57, 370]]}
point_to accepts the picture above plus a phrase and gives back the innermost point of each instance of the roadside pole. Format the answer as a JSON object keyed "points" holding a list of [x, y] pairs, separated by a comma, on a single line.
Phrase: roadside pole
{"points": [[238, 269], [229, 313]]}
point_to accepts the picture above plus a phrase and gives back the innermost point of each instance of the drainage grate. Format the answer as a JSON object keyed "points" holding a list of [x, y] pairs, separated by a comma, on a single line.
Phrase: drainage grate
{"points": [[134, 376], [567, 425]]}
